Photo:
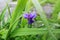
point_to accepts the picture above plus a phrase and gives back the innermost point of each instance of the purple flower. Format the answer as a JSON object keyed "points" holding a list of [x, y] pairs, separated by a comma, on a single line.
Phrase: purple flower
{"points": [[30, 17]]}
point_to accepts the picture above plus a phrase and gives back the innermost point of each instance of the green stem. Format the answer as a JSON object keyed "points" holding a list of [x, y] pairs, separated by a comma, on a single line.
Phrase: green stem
{"points": [[29, 25]]}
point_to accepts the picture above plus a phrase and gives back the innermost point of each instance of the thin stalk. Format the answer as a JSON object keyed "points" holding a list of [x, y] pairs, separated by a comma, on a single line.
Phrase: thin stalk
{"points": [[29, 25]]}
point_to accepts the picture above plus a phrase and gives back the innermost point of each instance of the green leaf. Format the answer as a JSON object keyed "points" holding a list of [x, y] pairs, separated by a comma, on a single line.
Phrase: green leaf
{"points": [[3, 13], [41, 12], [58, 16], [3, 33], [24, 23], [28, 6], [9, 10], [51, 1], [31, 31], [43, 16], [16, 15], [2, 17], [56, 11]]}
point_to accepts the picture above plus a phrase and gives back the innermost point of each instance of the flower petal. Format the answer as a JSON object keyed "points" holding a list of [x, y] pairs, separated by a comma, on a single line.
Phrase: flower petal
{"points": [[30, 21], [33, 14], [25, 15]]}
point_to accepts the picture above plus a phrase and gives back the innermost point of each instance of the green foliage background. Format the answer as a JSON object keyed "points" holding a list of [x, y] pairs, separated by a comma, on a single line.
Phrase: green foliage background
{"points": [[16, 28]]}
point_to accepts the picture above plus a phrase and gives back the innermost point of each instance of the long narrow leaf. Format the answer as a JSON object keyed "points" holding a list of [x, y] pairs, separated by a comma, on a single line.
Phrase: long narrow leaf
{"points": [[31, 31]]}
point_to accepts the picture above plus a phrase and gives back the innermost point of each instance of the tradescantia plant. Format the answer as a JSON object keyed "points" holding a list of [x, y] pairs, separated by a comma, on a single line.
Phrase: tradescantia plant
{"points": [[21, 23], [30, 17]]}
